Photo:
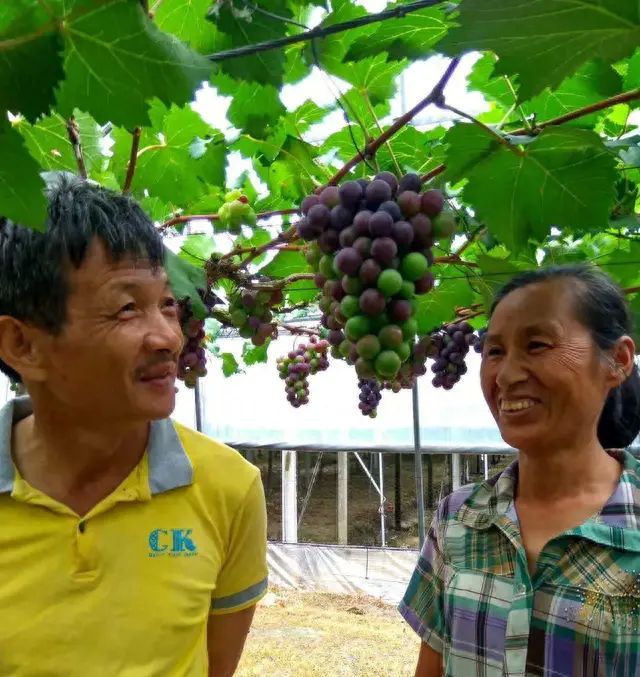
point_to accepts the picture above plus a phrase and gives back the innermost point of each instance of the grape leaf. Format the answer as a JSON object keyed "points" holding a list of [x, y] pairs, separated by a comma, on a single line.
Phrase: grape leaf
{"points": [[185, 280], [31, 55], [438, 306], [410, 36], [197, 248], [230, 365], [248, 26], [632, 78], [563, 178], [373, 75], [116, 59], [298, 121], [566, 34], [48, 142], [255, 108], [188, 22], [21, 187], [254, 354], [286, 263]]}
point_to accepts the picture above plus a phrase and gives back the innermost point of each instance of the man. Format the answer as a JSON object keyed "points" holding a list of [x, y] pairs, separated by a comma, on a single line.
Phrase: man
{"points": [[129, 545]]}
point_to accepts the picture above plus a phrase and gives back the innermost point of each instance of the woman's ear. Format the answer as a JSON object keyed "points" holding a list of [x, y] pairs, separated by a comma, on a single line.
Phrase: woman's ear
{"points": [[19, 348], [622, 359]]}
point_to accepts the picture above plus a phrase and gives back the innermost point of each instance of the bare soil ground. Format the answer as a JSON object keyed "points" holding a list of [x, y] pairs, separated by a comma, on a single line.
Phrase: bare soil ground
{"points": [[298, 634]]}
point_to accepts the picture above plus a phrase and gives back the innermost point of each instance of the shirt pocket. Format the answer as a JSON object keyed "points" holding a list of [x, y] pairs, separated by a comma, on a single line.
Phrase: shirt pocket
{"points": [[476, 607]]}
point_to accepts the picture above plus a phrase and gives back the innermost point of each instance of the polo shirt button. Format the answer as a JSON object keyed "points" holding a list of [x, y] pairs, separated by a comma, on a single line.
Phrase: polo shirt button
{"points": [[81, 527]]}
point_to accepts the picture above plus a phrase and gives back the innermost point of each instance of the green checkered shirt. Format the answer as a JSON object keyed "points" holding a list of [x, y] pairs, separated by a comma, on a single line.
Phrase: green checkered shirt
{"points": [[471, 597]]}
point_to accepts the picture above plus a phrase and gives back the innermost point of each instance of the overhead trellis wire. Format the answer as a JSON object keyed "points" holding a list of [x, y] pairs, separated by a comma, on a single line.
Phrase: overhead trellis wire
{"points": [[323, 31]]}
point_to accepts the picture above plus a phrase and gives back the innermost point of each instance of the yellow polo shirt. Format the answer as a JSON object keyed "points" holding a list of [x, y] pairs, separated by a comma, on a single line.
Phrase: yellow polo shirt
{"points": [[126, 590]]}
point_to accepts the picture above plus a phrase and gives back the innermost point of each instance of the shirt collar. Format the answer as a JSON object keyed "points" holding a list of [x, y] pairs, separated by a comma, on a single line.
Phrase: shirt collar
{"points": [[169, 464], [493, 499]]}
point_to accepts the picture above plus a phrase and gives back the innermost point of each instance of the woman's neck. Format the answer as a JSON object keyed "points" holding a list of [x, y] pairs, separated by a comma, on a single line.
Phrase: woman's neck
{"points": [[565, 472]]}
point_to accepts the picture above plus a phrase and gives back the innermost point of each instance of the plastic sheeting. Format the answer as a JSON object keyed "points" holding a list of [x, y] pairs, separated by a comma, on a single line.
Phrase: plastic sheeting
{"points": [[342, 569]]}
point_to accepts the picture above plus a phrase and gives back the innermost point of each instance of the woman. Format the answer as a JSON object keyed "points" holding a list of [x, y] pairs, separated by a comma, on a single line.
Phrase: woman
{"points": [[537, 571]]}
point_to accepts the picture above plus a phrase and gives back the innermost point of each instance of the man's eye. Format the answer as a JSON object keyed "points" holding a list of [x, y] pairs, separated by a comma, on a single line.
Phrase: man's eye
{"points": [[538, 345], [492, 351]]}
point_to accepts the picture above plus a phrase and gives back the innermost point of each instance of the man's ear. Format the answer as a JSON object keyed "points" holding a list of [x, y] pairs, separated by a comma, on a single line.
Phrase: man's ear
{"points": [[622, 359], [19, 348]]}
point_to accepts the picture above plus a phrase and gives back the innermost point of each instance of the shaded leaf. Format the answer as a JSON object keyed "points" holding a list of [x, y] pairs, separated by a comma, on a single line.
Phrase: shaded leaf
{"points": [[230, 365], [563, 178], [188, 22], [186, 279], [544, 41], [21, 187], [255, 354]]}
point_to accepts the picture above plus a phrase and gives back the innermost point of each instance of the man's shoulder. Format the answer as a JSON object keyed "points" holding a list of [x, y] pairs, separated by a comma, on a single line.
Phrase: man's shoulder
{"points": [[215, 462]]}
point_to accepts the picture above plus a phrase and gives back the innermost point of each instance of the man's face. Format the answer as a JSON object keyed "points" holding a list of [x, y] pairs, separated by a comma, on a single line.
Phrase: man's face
{"points": [[115, 358]]}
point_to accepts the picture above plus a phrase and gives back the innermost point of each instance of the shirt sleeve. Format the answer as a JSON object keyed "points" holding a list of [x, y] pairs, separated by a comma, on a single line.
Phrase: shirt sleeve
{"points": [[243, 577], [423, 603]]}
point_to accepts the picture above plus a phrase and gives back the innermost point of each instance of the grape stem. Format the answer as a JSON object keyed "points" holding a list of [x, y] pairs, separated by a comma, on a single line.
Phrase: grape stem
{"points": [[625, 97], [279, 284], [298, 331], [248, 250], [73, 132], [470, 240], [454, 258], [133, 158], [631, 290], [184, 218], [434, 96]]}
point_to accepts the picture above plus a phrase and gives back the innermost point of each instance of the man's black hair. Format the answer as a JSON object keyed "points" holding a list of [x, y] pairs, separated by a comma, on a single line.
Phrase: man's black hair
{"points": [[34, 264]]}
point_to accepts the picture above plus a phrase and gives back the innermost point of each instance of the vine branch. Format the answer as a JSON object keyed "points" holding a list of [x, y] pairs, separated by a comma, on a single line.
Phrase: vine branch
{"points": [[73, 131], [184, 218], [133, 158]]}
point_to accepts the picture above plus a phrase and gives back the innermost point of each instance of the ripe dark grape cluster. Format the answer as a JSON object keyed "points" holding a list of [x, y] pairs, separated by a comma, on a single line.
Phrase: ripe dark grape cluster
{"points": [[479, 343], [370, 396], [371, 248], [192, 363], [251, 314], [449, 348], [298, 365]]}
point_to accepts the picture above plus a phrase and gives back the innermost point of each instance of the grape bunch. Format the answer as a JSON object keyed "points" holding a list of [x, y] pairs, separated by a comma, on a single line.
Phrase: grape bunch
{"points": [[449, 348], [236, 212], [251, 314], [479, 342], [371, 250], [370, 396], [192, 363], [298, 365]]}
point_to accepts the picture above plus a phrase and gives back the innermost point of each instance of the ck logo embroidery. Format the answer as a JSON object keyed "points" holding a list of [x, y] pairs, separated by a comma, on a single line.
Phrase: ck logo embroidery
{"points": [[172, 542]]}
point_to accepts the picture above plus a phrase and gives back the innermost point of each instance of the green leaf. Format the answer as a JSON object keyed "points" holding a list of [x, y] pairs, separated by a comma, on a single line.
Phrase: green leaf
{"points": [[286, 263], [563, 178], [188, 22], [438, 306], [255, 354], [21, 188], [246, 26], [230, 365], [373, 75], [197, 249], [48, 142], [411, 36], [255, 108], [632, 78], [31, 58], [544, 41], [116, 59], [299, 121], [186, 279]]}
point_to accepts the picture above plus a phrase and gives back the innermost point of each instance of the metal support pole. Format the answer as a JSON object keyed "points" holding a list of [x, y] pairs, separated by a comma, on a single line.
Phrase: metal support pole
{"points": [[198, 404], [343, 497], [383, 535], [486, 465], [455, 471], [417, 454], [289, 497]]}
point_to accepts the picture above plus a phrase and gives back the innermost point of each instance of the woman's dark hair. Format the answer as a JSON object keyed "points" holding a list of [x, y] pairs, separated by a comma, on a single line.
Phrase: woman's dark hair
{"points": [[602, 308], [34, 264]]}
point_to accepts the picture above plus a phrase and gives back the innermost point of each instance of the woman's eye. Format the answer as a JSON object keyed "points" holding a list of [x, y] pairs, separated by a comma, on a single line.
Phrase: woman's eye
{"points": [[128, 308], [170, 304], [492, 351], [538, 345]]}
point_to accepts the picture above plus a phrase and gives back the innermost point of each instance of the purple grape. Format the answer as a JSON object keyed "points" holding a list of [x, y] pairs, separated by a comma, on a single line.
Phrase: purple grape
{"points": [[400, 310], [369, 272], [330, 196], [341, 217], [372, 302], [380, 224], [402, 233], [362, 245], [384, 249], [350, 193], [388, 178], [328, 241], [361, 222], [391, 208], [309, 202], [347, 237], [319, 280], [432, 202], [422, 231], [410, 182], [348, 261], [319, 216], [425, 283], [377, 192], [307, 230]]}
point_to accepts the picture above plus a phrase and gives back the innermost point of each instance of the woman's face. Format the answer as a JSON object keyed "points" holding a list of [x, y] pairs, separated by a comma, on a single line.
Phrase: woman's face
{"points": [[542, 375]]}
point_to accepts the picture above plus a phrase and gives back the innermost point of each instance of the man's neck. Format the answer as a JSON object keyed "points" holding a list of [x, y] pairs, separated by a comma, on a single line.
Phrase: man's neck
{"points": [[74, 461]]}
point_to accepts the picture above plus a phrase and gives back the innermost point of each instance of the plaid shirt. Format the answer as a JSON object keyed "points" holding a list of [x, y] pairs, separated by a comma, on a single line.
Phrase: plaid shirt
{"points": [[471, 597]]}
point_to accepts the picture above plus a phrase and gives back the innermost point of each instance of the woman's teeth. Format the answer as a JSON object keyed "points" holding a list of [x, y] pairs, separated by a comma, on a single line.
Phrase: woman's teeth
{"points": [[516, 405]]}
